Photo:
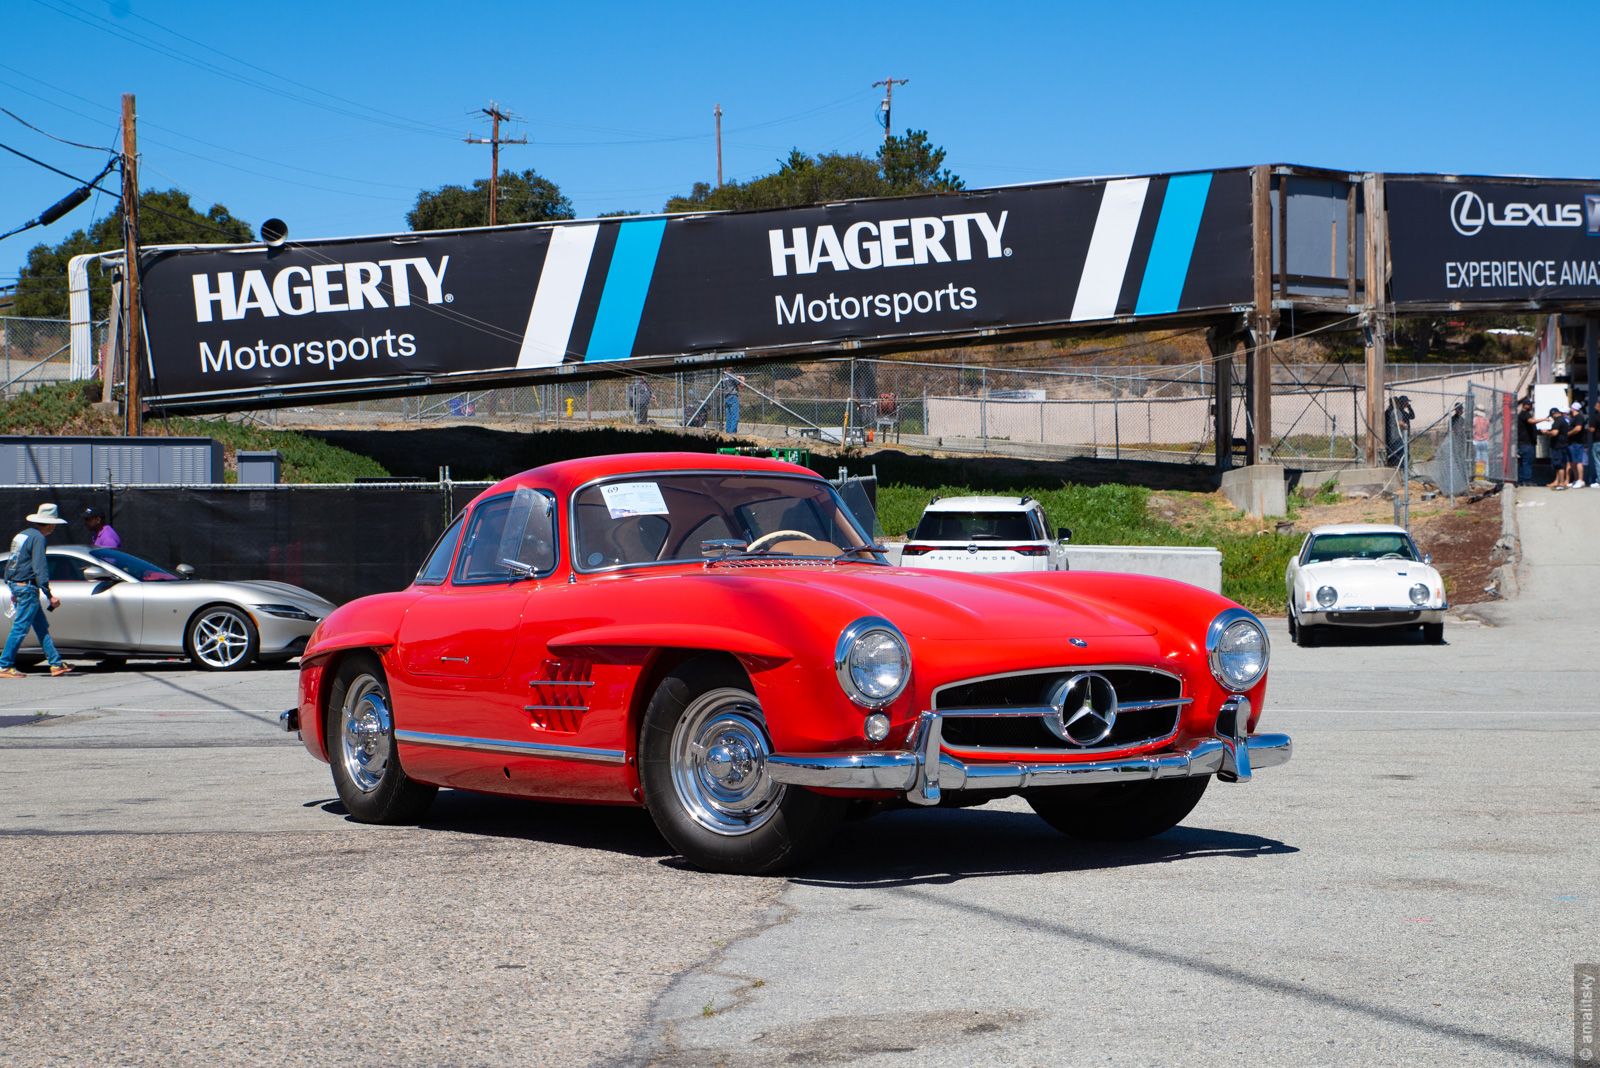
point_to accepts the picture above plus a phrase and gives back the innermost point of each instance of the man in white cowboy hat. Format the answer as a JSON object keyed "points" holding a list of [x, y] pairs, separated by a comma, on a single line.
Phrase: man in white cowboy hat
{"points": [[28, 575]]}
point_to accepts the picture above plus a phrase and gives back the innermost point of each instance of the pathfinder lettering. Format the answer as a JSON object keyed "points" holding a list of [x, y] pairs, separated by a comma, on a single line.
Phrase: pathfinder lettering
{"points": [[865, 246], [324, 287]]}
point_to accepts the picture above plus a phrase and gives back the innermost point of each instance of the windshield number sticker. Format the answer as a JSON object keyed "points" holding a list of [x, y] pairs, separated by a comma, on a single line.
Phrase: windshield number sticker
{"points": [[624, 499]]}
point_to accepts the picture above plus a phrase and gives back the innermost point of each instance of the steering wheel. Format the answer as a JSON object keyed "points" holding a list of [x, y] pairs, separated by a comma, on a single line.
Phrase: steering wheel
{"points": [[774, 536], [1391, 556]]}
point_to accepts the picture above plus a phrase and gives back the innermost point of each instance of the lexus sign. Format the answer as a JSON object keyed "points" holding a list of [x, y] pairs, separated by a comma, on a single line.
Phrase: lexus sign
{"points": [[1465, 242]]}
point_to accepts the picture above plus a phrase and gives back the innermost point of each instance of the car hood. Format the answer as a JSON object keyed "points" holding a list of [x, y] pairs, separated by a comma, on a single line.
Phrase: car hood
{"points": [[931, 605], [265, 592], [1354, 575]]}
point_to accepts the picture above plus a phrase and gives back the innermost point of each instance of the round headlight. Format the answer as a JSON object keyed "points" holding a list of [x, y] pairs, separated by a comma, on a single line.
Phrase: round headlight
{"points": [[1419, 594], [1236, 645], [872, 662], [1326, 596]]}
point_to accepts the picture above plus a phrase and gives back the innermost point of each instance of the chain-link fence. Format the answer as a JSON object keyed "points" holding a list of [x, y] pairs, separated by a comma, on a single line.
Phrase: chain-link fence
{"points": [[1152, 412], [36, 351]]}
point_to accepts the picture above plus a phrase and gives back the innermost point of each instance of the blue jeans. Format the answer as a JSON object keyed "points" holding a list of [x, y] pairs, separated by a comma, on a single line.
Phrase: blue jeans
{"points": [[28, 613], [730, 415], [1524, 465]]}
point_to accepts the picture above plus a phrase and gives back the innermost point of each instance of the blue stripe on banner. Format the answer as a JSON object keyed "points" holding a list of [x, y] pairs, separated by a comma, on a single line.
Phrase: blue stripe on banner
{"points": [[616, 323], [1170, 251]]}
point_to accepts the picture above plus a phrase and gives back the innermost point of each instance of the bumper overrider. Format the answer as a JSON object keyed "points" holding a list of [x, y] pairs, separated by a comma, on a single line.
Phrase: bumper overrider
{"points": [[922, 771]]}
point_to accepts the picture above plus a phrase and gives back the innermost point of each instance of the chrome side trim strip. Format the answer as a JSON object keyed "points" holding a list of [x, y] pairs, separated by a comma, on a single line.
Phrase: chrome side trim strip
{"points": [[540, 750], [555, 708], [558, 682]]}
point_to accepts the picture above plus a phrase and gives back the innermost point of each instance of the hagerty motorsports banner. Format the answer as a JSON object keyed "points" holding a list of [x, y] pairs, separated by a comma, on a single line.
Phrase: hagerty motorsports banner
{"points": [[1466, 241], [343, 314]]}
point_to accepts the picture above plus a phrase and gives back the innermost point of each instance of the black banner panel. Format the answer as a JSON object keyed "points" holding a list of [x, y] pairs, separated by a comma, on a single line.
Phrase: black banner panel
{"points": [[372, 313], [1484, 241]]}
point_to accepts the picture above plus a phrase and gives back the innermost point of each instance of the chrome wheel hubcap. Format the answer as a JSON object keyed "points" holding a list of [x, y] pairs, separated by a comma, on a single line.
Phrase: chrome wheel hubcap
{"points": [[366, 731], [221, 639], [719, 764]]}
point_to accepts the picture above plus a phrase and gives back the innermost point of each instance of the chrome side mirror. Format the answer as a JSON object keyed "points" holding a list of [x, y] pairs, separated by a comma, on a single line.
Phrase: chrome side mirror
{"points": [[185, 570], [97, 574], [1427, 558], [1064, 534]]}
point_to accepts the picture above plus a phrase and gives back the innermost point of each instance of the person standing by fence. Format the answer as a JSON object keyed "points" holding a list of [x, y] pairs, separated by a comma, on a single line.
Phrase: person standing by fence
{"points": [[28, 576], [1559, 454], [730, 403], [1527, 440], [101, 533]]}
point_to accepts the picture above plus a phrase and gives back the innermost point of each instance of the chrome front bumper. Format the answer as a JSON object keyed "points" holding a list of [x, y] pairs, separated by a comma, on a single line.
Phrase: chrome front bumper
{"points": [[922, 771]]}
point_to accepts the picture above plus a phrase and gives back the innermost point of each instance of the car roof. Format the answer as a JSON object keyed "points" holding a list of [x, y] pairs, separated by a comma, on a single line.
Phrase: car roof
{"points": [[564, 476], [1358, 528], [985, 504]]}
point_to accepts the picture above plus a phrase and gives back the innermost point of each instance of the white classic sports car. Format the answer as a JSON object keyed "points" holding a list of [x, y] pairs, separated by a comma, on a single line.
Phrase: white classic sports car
{"points": [[1363, 575]]}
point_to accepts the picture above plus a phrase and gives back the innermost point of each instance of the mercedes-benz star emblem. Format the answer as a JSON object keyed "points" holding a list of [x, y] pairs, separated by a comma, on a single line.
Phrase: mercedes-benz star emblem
{"points": [[1085, 707]]}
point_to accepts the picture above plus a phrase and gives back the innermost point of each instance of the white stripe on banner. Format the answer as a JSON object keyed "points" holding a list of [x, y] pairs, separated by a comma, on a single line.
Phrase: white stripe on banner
{"points": [[555, 302], [1109, 249]]}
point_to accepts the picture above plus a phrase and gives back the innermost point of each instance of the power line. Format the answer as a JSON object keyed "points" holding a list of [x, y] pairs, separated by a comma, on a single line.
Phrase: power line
{"points": [[53, 137]]}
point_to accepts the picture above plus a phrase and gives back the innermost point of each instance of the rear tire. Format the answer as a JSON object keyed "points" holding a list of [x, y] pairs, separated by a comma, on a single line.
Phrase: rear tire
{"points": [[702, 751], [1118, 812], [358, 725]]}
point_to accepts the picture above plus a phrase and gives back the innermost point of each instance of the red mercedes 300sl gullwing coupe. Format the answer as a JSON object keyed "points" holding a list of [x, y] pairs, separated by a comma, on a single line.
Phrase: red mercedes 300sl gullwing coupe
{"points": [[717, 638]]}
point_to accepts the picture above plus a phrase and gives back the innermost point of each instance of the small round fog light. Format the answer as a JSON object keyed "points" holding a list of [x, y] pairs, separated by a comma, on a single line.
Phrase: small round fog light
{"points": [[877, 727]]}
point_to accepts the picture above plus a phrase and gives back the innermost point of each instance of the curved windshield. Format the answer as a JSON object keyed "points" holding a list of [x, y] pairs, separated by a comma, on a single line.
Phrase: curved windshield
{"points": [[1359, 547], [665, 518], [143, 570]]}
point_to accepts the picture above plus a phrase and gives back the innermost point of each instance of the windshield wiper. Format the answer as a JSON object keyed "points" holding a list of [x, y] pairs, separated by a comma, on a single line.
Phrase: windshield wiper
{"points": [[863, 549]]}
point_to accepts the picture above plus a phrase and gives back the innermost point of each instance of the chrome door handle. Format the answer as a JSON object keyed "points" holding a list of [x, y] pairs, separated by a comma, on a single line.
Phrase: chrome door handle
{"points": [[454, 659]]}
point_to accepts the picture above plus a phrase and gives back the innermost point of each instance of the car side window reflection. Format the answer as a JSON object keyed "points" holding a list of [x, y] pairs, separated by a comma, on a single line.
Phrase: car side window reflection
{"points": [[437, 565], [484, 553], [65, 569]]}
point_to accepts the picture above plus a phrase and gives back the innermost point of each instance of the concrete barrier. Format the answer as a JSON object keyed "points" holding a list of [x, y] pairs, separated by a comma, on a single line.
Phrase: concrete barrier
{"points": [[1197, 565], [1261, 490]]}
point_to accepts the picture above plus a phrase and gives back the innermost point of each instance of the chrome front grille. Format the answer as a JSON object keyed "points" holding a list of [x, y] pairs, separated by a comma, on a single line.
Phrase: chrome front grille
{"points": [[1150, 703]]}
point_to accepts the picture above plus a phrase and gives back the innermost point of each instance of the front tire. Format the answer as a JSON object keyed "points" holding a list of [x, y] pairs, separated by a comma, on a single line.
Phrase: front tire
{"points": [[358, 729], [1118, 812], [702, 750], [1433, 633], [221, 638]]}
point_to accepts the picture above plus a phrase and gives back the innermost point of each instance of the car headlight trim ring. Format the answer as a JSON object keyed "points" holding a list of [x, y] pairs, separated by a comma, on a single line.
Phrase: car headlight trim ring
{"points": [[872, 662], [1237, 649]]}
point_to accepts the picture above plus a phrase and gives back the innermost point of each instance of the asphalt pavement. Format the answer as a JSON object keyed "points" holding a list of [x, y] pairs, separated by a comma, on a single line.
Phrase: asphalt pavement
{"points": [[178, 884]]}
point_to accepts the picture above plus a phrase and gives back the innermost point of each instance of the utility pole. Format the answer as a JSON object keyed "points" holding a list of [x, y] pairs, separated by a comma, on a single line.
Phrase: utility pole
{"points": [[132, 327], [717, 111], [888, 103], [494, 140]]}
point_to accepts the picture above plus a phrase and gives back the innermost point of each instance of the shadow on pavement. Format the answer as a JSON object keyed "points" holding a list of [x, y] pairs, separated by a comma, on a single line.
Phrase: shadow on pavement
{"points": [[615, 829], [899, 849]]}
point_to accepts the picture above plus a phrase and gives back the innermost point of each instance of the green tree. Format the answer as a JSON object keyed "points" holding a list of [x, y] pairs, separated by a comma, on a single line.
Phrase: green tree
{"points": [[165, 218], [910, 164], [904, 165], [524, 197]]}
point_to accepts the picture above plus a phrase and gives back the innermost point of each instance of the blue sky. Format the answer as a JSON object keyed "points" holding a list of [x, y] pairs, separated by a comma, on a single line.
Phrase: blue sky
{"points": [[333, 115]]}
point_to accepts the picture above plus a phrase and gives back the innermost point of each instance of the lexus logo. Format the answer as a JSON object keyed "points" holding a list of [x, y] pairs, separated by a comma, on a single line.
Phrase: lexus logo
{"points": [[1467, 213], [1085, 709]]}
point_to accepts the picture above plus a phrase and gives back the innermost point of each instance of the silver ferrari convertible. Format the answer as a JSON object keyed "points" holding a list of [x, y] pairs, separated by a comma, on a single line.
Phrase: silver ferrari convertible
{"points": [[115, 605]]}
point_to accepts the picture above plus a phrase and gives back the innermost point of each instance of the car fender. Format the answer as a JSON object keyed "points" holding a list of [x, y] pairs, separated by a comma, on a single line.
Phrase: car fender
{"points": [[674, 636]]}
